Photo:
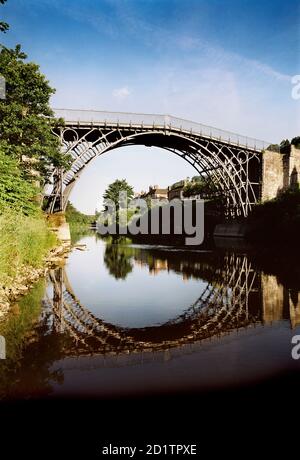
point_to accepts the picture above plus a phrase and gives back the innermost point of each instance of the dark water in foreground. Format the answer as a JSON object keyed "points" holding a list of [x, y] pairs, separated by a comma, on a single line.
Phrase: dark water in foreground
{"points": [[123, 319]]}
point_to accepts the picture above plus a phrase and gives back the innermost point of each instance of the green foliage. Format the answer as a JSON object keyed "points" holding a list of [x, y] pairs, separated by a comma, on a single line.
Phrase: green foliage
{"points": [[113, 191], [23, 241], [285, 146], [118, 258], [273, 147], [74, 216], [79, 231], [178, 184], [15, 192], [18, 330], [286, 204], [20, 321], [296, 141], [28, 154], [278, 219], [200, 186], [3, 25], [197, 179], [25, 126], [79, 223]]}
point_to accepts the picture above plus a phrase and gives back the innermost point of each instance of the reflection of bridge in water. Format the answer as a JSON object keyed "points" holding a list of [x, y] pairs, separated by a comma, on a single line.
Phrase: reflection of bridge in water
{"points": [[235, 296], [228, 302]]}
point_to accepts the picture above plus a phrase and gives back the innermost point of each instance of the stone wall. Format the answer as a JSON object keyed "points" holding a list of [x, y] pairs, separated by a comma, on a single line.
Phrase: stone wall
{"points": [[279, 172], [294, 166]]}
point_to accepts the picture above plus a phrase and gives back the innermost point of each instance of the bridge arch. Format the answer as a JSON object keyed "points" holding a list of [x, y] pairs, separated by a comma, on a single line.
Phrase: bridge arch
{"points": [[230, 161], [207, 316]]}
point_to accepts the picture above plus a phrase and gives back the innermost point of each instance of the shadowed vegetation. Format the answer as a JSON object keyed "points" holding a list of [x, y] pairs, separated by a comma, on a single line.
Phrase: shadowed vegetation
{"points": [[277, 220]]}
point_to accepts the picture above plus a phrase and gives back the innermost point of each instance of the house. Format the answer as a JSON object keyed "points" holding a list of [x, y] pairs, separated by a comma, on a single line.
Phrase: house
{"points": [[155, 193], [176, 190]]}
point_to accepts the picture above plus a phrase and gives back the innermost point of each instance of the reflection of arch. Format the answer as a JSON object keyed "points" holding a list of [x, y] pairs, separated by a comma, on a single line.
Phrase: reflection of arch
{"points": [[219, 309], [231, 161]]}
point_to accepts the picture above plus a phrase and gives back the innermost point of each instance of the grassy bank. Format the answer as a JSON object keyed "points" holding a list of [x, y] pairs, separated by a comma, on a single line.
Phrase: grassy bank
{"points": [[79, 223], [24, 241]]}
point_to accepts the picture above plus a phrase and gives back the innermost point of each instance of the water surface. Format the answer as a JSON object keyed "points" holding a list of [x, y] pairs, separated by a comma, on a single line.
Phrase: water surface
{"points": [[122, 318]]}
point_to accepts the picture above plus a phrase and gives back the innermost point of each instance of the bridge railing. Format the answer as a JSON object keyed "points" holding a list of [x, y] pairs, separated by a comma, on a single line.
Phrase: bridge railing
{"points": [[72, 116]]}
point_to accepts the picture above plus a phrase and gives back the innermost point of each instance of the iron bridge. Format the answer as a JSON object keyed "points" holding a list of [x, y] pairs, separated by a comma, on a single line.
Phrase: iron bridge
{"points": [[230, 161]]}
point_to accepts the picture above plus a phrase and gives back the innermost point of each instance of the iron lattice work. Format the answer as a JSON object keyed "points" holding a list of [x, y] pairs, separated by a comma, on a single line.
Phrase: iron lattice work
{"points": [[232, 162], [221, 308]]}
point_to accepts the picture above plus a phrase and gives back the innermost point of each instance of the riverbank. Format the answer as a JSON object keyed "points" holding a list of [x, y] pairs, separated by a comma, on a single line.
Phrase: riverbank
{"points": [[271, 223], [28, 249]]}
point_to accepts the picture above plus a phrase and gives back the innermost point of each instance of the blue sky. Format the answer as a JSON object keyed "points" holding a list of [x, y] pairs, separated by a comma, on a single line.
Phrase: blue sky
{"points": [[224, 63]]}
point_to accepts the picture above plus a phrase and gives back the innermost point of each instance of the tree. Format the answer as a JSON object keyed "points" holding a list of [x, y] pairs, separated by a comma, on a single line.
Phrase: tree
{"points": [[3, 25], [120, 193], [296, 141], [285, 146], [25, 116], [202, 186], [113, 191]]}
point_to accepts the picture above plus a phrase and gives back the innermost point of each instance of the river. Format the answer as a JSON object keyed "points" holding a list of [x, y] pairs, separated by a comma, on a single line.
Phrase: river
{"points": [[120, 319]]}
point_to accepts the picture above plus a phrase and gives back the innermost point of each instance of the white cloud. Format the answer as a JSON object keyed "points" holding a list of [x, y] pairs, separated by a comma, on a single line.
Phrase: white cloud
{"points": [[203, 82], [222, 56], [121, 93]]}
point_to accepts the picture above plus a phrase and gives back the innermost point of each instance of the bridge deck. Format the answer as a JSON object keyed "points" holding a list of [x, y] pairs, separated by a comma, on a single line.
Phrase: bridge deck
{"points": [[74, 117]]}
